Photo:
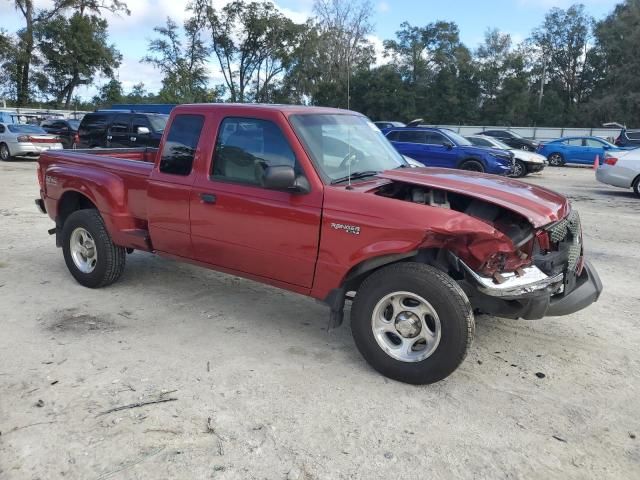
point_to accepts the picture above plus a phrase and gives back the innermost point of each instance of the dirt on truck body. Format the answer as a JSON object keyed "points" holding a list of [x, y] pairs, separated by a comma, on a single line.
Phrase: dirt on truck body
{"points": [[316, 201]]}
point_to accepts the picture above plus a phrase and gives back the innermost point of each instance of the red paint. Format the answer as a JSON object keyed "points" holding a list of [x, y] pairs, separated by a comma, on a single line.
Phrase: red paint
{"points": [[288, 240]]}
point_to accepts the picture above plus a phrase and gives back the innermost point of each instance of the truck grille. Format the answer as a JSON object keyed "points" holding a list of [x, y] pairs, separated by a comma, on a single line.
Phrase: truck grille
{"points": [[568, 230]]}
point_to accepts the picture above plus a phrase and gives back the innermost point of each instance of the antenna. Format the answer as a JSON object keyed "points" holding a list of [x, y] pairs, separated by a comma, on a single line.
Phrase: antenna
{"points": [[348, 124]]}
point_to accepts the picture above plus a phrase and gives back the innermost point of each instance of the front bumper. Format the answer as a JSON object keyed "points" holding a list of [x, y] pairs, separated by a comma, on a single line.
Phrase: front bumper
{"points": [[534, 167], [532, 298]]}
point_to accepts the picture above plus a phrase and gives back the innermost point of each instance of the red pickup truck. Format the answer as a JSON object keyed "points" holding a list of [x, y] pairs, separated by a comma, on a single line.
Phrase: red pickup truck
{"points": [[316, 201]]}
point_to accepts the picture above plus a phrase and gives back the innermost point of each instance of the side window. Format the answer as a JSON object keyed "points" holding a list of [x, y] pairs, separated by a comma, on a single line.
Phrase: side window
{"points": [[120, 124], [412, 137], [2, 129], [393, 136], [140, 121], [575, 142], [590, 142], [481, 142], [246, 147], [634, 135], [180, 146], [434, 138]]}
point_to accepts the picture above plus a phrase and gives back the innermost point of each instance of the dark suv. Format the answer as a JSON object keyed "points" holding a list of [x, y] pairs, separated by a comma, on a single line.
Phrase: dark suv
{"points": [[513, 139], [65, 130], [121, 129]]}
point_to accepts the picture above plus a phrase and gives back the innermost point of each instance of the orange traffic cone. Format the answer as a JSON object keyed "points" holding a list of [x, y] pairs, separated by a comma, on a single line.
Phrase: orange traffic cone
{"points": [[596, 162]]}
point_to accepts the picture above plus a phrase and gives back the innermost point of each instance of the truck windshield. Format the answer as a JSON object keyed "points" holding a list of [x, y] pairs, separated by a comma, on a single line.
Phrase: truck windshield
{"points": [[342, 144]]}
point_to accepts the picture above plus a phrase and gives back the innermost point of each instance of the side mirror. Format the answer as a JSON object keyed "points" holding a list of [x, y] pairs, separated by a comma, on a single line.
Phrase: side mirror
{"points": [[143, 131], [448, 145], [283, 177]]}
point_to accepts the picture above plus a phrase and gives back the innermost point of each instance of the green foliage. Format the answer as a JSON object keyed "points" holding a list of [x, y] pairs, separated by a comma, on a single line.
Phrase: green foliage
{"points": [[74, 49], [571, 71], [184, 67], [617, 92]]}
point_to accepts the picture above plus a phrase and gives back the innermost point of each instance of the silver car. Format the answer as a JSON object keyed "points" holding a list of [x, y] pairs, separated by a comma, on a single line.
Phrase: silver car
{"points": [[621, 169], [22, 140]]}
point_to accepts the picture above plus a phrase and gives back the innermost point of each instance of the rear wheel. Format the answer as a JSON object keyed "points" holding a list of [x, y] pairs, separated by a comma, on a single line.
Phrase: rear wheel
{"points": [[555, 160], [636, 186], [412, 323], [519, 169], [90, 255], [472, 166], [5, 154]]}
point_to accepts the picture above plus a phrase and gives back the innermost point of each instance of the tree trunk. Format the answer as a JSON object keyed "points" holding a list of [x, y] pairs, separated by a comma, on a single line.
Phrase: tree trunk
{"points": [[27, 54]]}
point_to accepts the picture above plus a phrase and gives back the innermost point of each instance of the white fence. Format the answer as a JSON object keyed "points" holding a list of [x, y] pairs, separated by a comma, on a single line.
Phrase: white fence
{"points": [[538, 133], [22, 115]]}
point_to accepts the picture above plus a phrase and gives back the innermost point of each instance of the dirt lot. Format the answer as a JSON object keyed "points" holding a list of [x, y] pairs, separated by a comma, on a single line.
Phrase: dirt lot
{"points": [[256, 388]]}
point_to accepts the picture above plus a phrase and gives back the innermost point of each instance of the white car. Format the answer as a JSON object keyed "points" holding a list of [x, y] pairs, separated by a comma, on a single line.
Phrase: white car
{"points": [[23, 140], [621, 169], [525, 162]]}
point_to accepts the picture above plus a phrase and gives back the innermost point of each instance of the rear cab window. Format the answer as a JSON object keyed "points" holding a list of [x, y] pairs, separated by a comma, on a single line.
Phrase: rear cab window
{"points": [[178, 151]]}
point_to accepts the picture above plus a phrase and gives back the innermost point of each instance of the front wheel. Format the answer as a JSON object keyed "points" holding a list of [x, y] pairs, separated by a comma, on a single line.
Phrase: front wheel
{"points": [[472, 166], [412, 323], [90, 255], [519, 169]]}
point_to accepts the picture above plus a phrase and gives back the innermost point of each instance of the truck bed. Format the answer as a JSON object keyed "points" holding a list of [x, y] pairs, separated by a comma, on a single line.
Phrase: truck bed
{"points": [[116, 169]]}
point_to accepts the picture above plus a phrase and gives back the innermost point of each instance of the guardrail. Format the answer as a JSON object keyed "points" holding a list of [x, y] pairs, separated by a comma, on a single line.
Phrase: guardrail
{"points": [[537, 133]]}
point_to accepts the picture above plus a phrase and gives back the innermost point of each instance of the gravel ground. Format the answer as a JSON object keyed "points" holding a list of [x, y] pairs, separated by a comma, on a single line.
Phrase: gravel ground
{"points": [[253, 386]]}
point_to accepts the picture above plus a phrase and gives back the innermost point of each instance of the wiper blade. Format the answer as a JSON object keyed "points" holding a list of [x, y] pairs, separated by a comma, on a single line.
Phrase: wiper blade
{"points": [[355, 176]]}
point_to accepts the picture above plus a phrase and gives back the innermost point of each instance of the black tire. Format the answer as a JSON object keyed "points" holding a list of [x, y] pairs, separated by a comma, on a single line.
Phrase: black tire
{"points": [[110, 260], [636, 186], [472, 166], [450, 303], [519, 169], [556, 160], [5, 154]]}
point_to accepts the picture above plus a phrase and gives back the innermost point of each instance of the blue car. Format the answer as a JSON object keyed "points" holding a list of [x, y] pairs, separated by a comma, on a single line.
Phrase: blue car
{"points": [[440, 147], [580, 150]]}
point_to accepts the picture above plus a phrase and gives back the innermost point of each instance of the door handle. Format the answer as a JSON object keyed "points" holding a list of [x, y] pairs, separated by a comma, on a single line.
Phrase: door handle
{"points": [[133, 139], [109, 137], [208, 198]]}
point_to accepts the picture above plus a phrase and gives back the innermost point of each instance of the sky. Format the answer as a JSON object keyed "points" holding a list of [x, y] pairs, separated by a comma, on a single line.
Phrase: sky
{"points": [[131, 34]]}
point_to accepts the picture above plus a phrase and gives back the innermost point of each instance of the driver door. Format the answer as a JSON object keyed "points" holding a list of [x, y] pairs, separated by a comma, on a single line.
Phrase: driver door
{"points": [[241, 226]]}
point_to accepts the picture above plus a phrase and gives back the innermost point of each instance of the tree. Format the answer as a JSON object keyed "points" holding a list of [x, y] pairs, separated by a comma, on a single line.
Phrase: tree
{"points": [[503, 80], [617, 90], [562, 42], [420, 51], [252, 43], [7, 64], [34, 18], [109, 93], [74, 49], [381, 93], [184, 68]]}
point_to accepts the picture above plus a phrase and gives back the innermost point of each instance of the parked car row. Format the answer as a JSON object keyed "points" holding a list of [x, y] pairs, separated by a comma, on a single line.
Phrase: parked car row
{"points": [[438, 147], [23, 140]]}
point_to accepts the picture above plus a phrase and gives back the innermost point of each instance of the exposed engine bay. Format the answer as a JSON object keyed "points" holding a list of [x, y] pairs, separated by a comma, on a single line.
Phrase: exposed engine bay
{"points": [[553, 250]]}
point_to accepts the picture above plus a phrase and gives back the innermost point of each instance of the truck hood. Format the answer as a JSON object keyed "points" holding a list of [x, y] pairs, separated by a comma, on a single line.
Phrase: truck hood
{"points": [[537, 204]]}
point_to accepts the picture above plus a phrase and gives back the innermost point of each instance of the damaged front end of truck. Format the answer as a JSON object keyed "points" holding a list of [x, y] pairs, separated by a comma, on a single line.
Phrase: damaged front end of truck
{"points": [[510, 261]]}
